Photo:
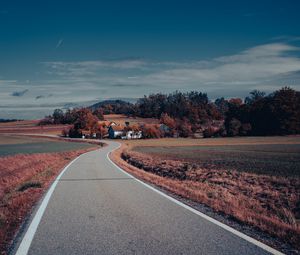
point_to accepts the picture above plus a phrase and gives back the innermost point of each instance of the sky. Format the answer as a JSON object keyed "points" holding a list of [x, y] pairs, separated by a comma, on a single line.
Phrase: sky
{"points": [[60, 54]]}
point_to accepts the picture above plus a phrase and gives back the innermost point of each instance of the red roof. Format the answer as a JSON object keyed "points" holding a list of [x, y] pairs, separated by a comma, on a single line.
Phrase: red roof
{"points": [[117, 127]]}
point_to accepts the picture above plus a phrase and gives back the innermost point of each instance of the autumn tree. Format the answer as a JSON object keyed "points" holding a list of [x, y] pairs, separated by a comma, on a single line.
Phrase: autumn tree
{"points": [[86, 120], [99, 113], [102, 131], [58, 116], [222, 105], [151, 131], [167, 120], [184, 128]]}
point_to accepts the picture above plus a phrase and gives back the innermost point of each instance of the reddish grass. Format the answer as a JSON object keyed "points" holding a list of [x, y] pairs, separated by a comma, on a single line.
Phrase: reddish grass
{"points": [[270, 203], [23, 179]]}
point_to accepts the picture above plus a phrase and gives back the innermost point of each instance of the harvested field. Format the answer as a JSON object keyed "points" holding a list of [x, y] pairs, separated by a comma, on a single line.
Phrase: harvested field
{"points": [[30, 127], [179, 142], [272, 159], [254, 180], [10, 145]]}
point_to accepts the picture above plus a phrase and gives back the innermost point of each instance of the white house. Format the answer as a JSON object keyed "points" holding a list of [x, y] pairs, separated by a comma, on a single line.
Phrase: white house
{"points": [[116, 131], [133, 134]]}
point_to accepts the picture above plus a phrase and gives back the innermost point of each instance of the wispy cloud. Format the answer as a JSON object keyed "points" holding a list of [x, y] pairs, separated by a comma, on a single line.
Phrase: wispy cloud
{"points": [[7, 81], [266, 67], [19, 93], [81, 68], [59, 43], [286, 38], [43, 96], [121, 85]]}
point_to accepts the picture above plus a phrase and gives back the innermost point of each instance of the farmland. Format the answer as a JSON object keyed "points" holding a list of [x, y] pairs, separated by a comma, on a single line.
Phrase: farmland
{"points": [[28, 165], [10, 145], [273, 159], [30, 127], [254, 180]]}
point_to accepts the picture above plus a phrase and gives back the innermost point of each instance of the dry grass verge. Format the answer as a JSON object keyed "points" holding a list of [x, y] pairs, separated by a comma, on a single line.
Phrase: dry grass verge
{"points": [[269, 203], [23, 179]]}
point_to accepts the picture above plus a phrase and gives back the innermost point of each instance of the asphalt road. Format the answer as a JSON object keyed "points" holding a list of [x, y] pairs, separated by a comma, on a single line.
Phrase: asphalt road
{"points": [[97, 209]]}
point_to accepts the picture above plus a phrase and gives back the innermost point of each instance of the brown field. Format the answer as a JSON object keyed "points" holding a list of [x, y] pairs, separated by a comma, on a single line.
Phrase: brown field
{"points": [[269, 202], [25, 177], [214, 141], [121, 119], [25, 144], [20, 123], [30, 127], [9, 139]]}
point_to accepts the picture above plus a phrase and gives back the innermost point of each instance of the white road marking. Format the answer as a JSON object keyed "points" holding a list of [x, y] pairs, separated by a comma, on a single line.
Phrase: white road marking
{"points": [[220, 224], [28, 237]]}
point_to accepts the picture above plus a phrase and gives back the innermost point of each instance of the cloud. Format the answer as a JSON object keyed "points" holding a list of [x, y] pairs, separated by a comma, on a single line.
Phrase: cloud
{"points": [[19, 93], [86, 68], [43, 96], [269, 67], [59, 43], [39, 97], [286, 38], [265, 67], [121, 85], [254, 67], [7, 81]]}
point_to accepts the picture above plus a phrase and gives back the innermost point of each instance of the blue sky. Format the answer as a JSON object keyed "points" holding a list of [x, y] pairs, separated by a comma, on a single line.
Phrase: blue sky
{"points": [[63, 53]]}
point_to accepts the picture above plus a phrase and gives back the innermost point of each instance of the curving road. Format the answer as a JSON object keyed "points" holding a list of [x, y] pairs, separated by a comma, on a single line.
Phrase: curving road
{"points": [[95, 208]]}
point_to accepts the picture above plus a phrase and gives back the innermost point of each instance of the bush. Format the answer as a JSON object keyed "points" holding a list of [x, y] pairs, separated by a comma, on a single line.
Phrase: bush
{"points": [[74, 133], [28, 185], [48, 120]]}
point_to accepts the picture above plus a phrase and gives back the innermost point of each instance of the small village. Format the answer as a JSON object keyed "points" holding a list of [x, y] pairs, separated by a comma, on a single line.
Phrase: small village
{"points": [[113, 130]]}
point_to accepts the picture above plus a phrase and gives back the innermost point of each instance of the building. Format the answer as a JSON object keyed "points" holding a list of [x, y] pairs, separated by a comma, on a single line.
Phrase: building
{"points": [[132, 134], [86, 134], [106, 123], [116, 131]]}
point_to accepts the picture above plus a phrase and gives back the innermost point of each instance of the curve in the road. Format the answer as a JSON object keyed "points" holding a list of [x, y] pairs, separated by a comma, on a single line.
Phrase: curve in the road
{"points": [[95, 207]]}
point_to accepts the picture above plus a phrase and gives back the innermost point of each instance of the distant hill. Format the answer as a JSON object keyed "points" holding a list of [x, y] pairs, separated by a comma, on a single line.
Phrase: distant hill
{"points": [[114, 106], [8, 120], [111, 102]]}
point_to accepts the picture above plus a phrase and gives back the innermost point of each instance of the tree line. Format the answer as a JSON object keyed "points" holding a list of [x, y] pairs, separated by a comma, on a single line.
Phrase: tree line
{"points": [[275, 114], [188, 113]]}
